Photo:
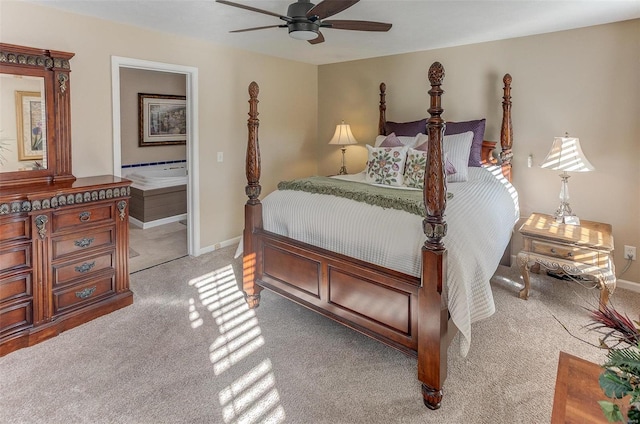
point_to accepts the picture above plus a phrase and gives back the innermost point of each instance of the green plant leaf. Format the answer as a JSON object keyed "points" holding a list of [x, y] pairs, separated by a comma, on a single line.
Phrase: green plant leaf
{"points": [[613, 385], [611, 411]]}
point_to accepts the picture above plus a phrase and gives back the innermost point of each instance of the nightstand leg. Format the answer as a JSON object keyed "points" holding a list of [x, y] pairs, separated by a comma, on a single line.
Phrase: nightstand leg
{"points": [[604, 294], [523, 263]]}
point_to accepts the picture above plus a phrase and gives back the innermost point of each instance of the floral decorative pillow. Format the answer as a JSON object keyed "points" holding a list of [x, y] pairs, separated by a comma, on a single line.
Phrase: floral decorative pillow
{"points": [[456, 148], [385, 165], [415, 168]]}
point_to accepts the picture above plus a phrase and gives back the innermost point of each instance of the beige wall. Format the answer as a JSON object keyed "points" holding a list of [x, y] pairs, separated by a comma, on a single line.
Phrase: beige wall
{"points": [[585, 82], [288, 104], [132, 82]]}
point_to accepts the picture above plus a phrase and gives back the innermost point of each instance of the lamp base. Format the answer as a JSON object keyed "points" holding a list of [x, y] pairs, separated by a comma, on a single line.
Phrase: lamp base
{"points": [[563, 214], [343, 168]]}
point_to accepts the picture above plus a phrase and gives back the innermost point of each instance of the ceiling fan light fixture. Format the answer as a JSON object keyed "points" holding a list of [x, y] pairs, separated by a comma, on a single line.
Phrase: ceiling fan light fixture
{"points": [[303, 30], [303, 35]]}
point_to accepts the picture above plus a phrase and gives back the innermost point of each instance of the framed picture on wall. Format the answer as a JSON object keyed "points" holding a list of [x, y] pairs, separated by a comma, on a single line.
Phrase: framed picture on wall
{"points": [[31, 123], [162, 119]]}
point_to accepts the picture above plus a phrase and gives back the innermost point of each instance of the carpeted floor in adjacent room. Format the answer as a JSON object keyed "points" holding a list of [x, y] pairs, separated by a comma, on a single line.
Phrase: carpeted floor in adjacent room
{"points": [[189, 351]]}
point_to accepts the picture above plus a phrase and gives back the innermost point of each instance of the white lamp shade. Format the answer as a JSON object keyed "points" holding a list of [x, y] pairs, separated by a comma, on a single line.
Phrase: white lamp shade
{"points": [[343, 135], [566, 155]]}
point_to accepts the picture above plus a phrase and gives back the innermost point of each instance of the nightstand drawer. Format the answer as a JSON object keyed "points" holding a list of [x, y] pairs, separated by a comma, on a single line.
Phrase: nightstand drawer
{"points": [[575, 254]]}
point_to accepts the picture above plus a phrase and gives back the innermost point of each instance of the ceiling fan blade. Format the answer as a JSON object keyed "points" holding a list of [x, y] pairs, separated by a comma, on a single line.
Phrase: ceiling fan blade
{"points": [[253, 9], [327, 8], [357, 25], [257, 28], [318, 40]]}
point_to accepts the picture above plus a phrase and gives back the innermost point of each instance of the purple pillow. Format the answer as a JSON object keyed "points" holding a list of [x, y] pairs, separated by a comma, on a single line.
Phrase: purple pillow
{"points": [[402, 129], [391, 141], [478, 136]]}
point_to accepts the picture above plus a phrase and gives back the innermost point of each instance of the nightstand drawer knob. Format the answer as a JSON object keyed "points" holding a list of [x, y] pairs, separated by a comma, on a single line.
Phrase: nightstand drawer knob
{"points": [[553, 250], [570, 254]]}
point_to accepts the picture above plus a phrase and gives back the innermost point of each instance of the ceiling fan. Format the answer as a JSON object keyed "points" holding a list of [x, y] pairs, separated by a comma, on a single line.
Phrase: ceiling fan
{"points": [[304, 19]]}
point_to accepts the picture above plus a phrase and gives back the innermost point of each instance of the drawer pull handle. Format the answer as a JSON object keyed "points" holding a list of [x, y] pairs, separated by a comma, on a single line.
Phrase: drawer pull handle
{"points": [[86, 292], [86, 267], [84, 242], [85, 216], [570, 254], [553, 250]]}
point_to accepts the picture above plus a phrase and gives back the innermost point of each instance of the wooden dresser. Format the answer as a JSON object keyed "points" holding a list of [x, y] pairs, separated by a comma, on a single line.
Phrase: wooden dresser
{"points": [[64, 242], [63, 257]]}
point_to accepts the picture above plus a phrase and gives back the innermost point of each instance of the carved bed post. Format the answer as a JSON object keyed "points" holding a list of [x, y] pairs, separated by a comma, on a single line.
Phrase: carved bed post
{"points": [[383, 109], [506, 132], [432, 349], [253, 207]]}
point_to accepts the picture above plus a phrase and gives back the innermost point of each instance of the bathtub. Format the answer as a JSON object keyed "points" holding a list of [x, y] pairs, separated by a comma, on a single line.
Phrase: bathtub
{"points": [[155, 177], [158, 195]]}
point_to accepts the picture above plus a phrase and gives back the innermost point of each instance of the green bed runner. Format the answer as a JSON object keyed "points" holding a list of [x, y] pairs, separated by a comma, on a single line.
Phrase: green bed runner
{"points": [[390, 198]]}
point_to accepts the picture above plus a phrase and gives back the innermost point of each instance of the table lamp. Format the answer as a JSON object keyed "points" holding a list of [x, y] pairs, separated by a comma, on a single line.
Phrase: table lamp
{"points": [[343, 136], [566, 155]]}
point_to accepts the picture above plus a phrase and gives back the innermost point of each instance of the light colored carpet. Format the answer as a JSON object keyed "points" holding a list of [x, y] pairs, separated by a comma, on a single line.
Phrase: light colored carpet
{"points": [[189, 351]]}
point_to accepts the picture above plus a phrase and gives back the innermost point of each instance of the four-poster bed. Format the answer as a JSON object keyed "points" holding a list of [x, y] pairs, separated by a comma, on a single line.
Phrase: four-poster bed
{"points": [[407, 312]]}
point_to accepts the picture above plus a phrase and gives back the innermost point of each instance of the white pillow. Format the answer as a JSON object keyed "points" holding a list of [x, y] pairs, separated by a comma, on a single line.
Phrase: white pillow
{"points": [[457, 147], [385, 165], [407, 141]]}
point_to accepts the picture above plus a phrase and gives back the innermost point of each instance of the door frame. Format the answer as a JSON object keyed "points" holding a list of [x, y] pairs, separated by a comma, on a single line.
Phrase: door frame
{"points": [[191, 74]]}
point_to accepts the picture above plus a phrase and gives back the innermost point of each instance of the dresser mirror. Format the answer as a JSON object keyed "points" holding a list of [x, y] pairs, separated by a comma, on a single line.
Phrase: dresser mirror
{"points": [[35, 138], [23, 123]]}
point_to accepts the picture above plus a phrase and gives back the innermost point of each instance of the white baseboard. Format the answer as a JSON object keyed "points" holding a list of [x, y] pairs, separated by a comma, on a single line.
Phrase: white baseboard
{"points": [[629, 285], [623, 284], [157, 222], [220, 245]]}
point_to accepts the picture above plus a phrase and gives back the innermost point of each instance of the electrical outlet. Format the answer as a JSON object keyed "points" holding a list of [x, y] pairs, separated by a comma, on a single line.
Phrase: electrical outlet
{"points": [[630, 252], [220, 156]]}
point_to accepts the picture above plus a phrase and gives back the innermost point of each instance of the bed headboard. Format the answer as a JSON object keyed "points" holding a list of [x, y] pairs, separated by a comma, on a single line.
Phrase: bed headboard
{"points": [[506, 131]]}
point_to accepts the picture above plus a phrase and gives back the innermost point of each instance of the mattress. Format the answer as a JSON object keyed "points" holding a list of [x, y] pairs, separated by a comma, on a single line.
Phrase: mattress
{"points": [[481, 216]]}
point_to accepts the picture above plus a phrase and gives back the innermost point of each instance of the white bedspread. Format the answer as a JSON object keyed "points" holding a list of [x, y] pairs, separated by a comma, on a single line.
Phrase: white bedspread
{"points": [[480, 216]]}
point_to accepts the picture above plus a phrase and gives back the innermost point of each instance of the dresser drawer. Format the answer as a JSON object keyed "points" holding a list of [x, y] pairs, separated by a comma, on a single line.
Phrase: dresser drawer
{"points": [[15, 229], [81, 294], [83, 241], [15, 258], [568, 253], [16, 317], [69, 219], [15, 287], [69, 271]]}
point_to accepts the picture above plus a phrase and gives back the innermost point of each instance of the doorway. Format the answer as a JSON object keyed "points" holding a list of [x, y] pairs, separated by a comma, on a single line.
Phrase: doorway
{"points": [[191, 90]]}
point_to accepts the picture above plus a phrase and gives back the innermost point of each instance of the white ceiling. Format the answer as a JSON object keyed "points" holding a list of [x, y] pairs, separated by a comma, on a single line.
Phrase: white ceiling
{"points": [[417, 25]]}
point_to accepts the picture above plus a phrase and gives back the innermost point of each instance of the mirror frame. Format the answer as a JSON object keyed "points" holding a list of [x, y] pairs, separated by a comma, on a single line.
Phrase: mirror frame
{"points": [[54, 67]]}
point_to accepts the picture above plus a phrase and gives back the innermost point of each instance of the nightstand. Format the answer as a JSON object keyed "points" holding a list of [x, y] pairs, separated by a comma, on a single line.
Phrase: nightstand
{"points": [[577, 250]]}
